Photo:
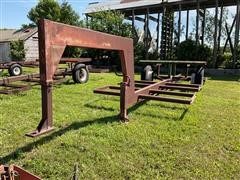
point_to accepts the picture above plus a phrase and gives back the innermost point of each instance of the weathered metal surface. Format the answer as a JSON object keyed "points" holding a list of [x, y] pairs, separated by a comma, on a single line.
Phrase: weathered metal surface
{"points": [[14, 172], [173, 62], [53, 38], [14, 88]]}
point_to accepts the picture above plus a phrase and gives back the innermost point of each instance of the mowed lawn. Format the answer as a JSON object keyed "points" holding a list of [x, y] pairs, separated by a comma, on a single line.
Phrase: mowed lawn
{"points": [[162, 140]]}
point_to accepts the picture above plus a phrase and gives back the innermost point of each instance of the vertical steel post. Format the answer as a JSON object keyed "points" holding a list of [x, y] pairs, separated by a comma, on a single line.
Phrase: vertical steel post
{"points": [[133, 24], [187, 24], [236, 34], [87, 20], [147, 35], [158, 30], [179, 22], [197, 22], [220, 28], [203, 25], [215, 35]]}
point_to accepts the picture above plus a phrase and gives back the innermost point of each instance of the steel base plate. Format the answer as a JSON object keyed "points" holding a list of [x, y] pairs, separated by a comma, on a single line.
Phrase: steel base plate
{"points": [[38, 133]]}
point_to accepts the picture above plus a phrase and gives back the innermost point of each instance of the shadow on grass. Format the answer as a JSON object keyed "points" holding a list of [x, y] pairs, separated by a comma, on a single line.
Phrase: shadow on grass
{"points": [[161, 116], [74, 126], [15, 155]]}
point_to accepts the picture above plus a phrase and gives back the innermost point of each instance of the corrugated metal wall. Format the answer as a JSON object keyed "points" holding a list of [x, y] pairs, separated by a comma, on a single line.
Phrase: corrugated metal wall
{"points": [[4, 52]]}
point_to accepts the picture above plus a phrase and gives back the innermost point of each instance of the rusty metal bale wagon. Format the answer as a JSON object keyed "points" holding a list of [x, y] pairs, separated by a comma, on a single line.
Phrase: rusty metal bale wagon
{"points": [[54, 37]]}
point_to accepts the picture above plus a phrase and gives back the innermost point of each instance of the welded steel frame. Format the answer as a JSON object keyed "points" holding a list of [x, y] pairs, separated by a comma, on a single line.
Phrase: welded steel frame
{"points": [[53, 38]]}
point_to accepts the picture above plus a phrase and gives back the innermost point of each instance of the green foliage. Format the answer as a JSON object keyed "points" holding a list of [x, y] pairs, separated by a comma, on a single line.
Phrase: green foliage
{"points": [[226, 60], [30, 25], [17, 50], [139, 52], [48, 9], [69, 16], [190, 50], [210, 21], [52, 10], [111, 22]]}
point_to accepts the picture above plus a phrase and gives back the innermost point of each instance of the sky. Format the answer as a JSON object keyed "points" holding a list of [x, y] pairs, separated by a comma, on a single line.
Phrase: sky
{"points": [[13, 13]]}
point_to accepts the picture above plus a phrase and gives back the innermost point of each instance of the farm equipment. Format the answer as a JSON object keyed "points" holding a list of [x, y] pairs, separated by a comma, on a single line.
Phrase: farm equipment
{"points": [[77, 69], [14, 172], [15, 67], [54, 37], [153, 70]]}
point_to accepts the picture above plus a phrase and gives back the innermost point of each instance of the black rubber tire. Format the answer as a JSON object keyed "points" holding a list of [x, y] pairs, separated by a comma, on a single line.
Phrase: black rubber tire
{"points": [[199, 76], [80, 74], [147, 73], [15, 70]]}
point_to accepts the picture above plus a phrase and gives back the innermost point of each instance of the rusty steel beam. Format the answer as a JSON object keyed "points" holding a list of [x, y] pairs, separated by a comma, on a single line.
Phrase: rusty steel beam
{"points": [[179, 88], [174, 93], [9, 80], [165, 99], [53, 38], [184, 85]]}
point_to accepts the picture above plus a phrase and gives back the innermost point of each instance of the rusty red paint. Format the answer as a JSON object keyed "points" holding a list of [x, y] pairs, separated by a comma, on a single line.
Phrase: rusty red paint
{"points": [[54, 37]]}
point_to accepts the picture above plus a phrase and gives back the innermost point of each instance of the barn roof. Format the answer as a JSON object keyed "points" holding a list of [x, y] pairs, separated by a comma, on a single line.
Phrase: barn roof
{"points": [[7, 35], [153, 5]]}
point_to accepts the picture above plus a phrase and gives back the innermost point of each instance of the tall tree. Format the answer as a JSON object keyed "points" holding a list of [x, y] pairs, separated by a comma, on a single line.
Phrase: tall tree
{"points": [[48, 9], [68, 15], [52, 10], [209, 25]]}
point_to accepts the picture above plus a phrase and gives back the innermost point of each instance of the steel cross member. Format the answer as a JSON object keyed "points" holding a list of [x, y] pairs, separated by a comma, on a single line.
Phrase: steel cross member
{"points": [[53, 38]]}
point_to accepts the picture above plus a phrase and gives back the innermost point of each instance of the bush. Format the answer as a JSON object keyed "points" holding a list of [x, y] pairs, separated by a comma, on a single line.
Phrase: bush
{"points": [[225, 60], [111, 22], [17, 50], [190, 50]]}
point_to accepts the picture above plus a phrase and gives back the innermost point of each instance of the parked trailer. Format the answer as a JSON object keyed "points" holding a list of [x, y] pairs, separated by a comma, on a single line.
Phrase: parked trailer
{"points": [[77, 69], [15, 67], [153, 70]]}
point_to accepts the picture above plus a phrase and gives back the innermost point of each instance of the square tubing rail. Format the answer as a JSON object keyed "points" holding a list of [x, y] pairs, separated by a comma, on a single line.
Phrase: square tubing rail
{"points": [[53, 38]]}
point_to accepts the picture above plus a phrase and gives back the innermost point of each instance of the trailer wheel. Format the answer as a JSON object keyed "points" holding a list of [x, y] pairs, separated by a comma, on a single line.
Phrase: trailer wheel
{"points": [[15, 70], [147, 73], [199, 77], [80, 74]]}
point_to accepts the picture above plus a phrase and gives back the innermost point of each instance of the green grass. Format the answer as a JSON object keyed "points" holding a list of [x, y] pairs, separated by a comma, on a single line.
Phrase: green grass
{"points": [[162, 140]]}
